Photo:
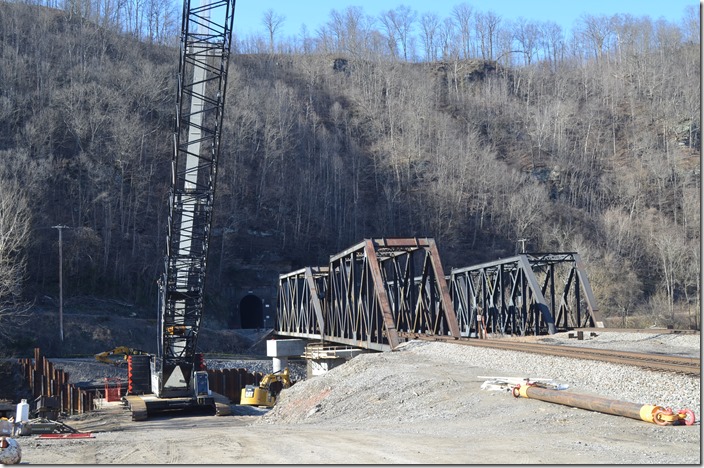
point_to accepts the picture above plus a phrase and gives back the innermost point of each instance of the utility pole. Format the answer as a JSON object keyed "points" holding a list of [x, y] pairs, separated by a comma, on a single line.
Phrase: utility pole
{"points": [[523, 245], [61, 283]]}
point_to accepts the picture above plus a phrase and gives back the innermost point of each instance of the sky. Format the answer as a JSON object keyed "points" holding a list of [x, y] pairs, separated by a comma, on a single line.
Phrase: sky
{"points": [[314, 13]]}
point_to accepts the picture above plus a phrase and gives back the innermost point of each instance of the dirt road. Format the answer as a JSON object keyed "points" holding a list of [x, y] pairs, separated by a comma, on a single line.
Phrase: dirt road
{"points": [[390, 408], [519, 432]]}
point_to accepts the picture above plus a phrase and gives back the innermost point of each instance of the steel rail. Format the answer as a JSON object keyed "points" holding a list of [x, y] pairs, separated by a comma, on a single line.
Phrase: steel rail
{"points": [[659, 362], [659, 331]]}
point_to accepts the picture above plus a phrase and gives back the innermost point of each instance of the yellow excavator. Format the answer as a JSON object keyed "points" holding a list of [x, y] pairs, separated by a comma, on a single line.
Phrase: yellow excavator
{"points": [[124, 351], [267, 391]]}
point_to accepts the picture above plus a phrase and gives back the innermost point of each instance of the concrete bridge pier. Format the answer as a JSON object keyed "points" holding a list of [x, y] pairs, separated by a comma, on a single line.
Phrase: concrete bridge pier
{"points": [[279, 364], [322, 358], [281, 350]]}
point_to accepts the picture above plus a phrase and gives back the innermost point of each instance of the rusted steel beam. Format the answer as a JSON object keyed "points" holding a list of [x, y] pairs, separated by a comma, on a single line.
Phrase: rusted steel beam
{"points": [[380, 292], [316, 291], [444, 290], [596, 319], [36, 382]]}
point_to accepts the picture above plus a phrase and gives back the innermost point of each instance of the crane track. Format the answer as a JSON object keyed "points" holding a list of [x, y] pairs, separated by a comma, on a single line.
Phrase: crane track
{"points": [[659, 362]]}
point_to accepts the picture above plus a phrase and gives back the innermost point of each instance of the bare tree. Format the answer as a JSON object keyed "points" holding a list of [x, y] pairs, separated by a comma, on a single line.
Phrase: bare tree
{"points": [[401, 21], [462, 15], [429, 27], [447, 40], [527, 33], [163, 20], [336, 29], [487, 26], [273, 22], [690, 24], [135, 17], [597, 33], [354, 23], [553, 41], [389, 22], [15, 221], [524, 210], [671, 250], [349, 30], [618, 288]]}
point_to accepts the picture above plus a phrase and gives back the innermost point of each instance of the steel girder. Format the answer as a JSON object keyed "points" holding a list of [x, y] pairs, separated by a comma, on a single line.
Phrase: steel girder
{"points": [[206, 37], [525, 294], [371, 298]]}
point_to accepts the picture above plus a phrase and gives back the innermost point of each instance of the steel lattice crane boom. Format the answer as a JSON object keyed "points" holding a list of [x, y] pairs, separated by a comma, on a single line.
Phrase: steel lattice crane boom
{"points": [[206, 37]]}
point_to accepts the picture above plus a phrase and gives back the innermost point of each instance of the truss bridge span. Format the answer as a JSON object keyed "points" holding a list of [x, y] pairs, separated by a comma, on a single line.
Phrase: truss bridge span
{"points": [[528, 294], [382, 292], [368, 294]]}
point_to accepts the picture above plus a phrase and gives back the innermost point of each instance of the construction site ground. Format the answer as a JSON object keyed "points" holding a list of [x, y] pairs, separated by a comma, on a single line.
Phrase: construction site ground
{"points": [[422, 404]]}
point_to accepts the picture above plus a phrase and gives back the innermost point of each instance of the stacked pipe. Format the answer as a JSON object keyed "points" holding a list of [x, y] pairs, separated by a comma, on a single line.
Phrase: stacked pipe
{"points": [[648, 413]]}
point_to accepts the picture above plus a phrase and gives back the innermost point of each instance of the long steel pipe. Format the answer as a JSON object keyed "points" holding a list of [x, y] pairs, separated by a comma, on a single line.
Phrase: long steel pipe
{"points": [[649, 413]]}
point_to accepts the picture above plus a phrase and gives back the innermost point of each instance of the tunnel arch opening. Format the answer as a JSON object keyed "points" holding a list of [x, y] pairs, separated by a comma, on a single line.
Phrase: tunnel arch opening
{"points": [[251, 311]]}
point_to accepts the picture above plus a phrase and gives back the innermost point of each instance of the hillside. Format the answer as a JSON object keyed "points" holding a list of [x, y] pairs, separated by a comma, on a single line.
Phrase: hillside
{"points": [[92, 326], [595, 154]]}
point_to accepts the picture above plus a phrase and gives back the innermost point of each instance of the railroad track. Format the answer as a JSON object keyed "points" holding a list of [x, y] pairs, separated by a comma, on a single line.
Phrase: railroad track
{"points": [[659, 362]]}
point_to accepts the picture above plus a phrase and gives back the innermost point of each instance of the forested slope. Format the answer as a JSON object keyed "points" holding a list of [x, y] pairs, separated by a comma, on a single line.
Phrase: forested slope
{"points": [[596, 151]]}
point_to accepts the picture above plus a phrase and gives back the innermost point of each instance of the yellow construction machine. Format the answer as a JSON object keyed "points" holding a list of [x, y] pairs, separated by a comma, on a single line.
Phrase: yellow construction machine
{"points": [[267, 391], [124, 351]]}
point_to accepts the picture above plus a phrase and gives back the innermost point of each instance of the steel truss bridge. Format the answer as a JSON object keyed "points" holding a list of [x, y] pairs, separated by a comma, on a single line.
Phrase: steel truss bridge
{"points": [[382, 292], [529, 294]]}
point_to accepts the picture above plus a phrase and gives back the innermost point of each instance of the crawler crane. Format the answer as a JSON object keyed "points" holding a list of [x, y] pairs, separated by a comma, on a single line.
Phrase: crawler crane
{"points": [[176, 380]]}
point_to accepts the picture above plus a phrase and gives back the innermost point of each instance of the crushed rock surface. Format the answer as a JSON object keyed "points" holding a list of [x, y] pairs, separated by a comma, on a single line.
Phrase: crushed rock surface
{"points": [[356, 389], [686, 345], [433, 387], [423, 404]]}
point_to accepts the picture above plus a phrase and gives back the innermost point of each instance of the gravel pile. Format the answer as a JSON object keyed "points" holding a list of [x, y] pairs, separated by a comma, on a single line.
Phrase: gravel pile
{"points": [[426, 381]]}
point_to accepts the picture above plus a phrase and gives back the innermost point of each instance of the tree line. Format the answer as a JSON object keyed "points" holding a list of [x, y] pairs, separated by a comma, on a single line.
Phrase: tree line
{"points": [[374, 127], [405, 34]]}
